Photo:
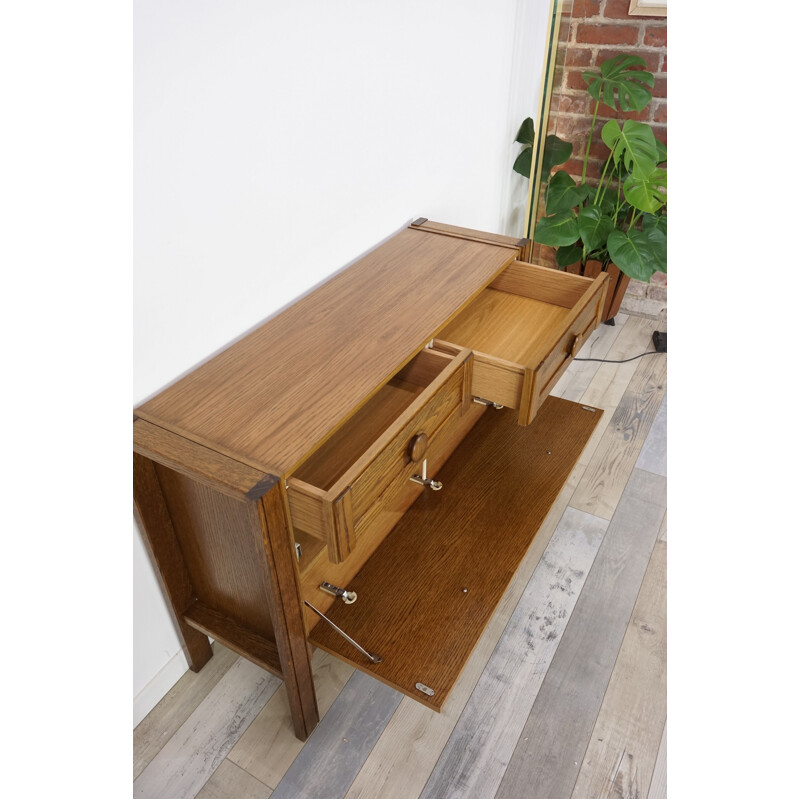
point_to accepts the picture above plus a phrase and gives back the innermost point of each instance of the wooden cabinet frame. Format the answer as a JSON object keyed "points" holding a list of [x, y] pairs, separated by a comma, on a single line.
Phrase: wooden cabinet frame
{"points": [[214, 454]]}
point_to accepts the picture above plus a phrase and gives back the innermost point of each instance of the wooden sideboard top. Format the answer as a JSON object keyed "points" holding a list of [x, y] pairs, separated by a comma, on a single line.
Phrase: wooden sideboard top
{"points": [[271, 397]]}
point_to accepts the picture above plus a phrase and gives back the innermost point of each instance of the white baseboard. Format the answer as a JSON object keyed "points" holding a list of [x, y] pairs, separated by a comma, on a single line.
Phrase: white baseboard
{"points": [[158, 686]]}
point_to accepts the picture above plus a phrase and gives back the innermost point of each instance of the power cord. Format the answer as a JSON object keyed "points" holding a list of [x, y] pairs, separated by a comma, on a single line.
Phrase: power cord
{"points": [[659, 340], [623, 361]]}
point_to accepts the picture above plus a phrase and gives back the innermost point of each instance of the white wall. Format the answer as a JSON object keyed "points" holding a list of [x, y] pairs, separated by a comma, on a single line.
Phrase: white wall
{"points": [[276, 142]]}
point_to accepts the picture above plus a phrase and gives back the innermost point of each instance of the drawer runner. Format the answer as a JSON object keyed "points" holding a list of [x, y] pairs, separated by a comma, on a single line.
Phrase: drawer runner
{"points": [[428, 591]]}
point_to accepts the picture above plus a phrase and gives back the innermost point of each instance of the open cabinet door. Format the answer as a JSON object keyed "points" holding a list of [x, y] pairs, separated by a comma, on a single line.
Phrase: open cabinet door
{"points": [[428, 591]]}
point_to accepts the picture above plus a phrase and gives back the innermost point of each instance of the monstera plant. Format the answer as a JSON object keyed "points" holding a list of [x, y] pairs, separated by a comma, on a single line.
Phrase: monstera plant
{"points": [[619, 219]]}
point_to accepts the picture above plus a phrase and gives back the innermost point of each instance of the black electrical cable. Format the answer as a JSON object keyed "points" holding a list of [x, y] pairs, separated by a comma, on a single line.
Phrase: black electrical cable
{"points": [[624, 360]]}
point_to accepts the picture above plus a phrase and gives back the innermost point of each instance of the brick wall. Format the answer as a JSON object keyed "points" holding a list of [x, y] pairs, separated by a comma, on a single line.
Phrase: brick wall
{"points": [[597, 30]]}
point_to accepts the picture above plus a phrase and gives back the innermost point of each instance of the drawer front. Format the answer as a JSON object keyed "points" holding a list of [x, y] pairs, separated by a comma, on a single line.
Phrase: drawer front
{"points": [[378, 520], [547, 373], [524, 330], [333, 514], [392, 460]]}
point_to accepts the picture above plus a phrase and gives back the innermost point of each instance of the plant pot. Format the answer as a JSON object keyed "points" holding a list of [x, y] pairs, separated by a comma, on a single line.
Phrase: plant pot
{"points": [[617, 284]]}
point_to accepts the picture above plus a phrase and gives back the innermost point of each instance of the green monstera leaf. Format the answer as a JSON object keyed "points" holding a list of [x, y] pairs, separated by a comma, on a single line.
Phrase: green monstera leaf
{"points": [[617, 78], [661, 158], [564, 193], [525, 136], [569, 254], [523, 163], [647, 194], [556, 152], [634, 144], [594, 227], [655, 228], [633, 253], [557, 231]]}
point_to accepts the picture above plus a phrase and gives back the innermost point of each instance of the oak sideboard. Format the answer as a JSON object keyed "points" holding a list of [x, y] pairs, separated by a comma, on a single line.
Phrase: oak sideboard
{"points": [[365, 471]]}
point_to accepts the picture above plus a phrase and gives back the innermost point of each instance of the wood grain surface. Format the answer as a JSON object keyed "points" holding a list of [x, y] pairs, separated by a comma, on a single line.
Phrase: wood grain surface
{"points": [[335, 752], [269, 747], [383, 516], [192, 754], [206, 466], [622, 752], [475, 758], [217, 535], [270, 398], [512, 327], [230, 781], [154, 520], [413, 609], [658, 783], [158, 727], [408, 749], [521, 245], [607, 474], [653, 456], [551, 747]]}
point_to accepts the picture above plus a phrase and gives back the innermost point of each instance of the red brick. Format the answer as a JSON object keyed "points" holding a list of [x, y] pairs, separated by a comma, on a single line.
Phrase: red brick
{"points": [[541, 254], [598, 149], [663, 67], [655, 36], [575, 167], [606, 113], [578, 57], [575, 80], [660, 86], [585, 8], [660, 132], [573, 104], [574, 129], [617, 9], [660, 111], [652, 59], [587, 33], [659, 279]]}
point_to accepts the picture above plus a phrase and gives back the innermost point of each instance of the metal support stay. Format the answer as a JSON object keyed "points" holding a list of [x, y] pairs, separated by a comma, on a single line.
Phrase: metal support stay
{"points": [[373, 657]]}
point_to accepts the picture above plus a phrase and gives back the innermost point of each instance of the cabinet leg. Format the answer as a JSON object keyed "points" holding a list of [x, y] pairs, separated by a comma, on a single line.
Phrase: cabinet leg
{"points": [[156, 526], [286, 609]]}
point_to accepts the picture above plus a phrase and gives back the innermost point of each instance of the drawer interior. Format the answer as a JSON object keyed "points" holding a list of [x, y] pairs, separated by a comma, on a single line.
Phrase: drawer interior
{"points": [[332, 460], [509, 326], [524, 329], [431, 586]]}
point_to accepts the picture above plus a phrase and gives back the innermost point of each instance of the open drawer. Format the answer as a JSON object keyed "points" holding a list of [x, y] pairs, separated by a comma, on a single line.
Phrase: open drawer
{"points": [[383, 443], [524, 329], [427, 592]]}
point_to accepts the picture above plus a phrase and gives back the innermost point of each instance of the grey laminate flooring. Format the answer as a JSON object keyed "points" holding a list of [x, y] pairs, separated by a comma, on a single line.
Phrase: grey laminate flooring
{"points": [[564, 695]]}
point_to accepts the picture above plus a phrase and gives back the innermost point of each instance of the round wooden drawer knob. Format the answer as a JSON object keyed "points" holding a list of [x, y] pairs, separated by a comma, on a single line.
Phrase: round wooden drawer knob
{"points": [[417, 447]]}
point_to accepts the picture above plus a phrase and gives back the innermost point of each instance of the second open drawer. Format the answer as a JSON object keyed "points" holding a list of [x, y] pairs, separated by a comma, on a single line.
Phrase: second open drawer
{"points": [[383, 442], [524, 329]]}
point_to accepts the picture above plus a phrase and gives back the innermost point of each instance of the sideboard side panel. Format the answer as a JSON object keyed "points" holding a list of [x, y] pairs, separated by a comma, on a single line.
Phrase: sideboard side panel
{"points": [[155, 523], [219, 537]]}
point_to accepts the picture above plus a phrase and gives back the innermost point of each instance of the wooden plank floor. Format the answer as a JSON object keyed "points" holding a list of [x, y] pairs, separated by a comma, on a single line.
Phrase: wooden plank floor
{"points": [[564, 695]]}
